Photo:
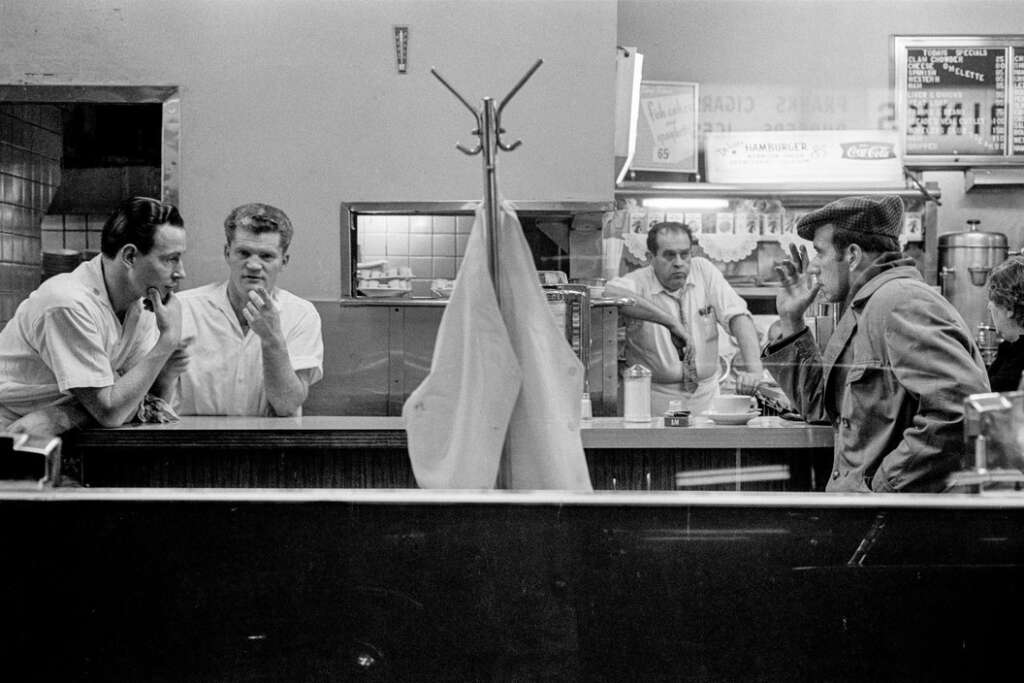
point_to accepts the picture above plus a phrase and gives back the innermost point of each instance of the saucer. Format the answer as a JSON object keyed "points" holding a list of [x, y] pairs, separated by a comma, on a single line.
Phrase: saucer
{"points": [[732, 418]]}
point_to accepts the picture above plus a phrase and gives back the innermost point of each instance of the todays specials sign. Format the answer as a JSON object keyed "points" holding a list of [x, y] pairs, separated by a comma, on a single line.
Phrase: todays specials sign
{"points": [[853, 158], [960, 99]]}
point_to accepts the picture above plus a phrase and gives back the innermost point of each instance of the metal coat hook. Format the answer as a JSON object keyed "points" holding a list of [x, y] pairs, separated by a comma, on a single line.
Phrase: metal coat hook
{"points": [[478, 115], [488, 130], [509, 96]]}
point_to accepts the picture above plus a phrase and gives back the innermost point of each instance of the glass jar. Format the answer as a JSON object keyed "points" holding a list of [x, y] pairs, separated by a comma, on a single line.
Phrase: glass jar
{"points": [[636, 394]]}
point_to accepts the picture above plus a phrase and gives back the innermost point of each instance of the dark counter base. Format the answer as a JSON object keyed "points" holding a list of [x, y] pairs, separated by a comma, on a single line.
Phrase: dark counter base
{"points": [[379, 459], [610, 469], [125, 588]]}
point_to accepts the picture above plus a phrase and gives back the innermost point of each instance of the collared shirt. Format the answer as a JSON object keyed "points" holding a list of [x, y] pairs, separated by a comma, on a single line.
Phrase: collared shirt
{"points": [[65, 336], [705, 298], [225, 369]]}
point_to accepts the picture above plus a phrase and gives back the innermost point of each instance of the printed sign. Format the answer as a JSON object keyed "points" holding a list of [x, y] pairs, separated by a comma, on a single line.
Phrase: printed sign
{"points": [[960, 99], [666, 137], [851, 158]]}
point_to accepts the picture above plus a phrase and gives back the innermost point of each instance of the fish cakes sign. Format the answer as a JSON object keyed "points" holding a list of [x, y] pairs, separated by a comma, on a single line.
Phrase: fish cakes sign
{"points": [[666, 130]]}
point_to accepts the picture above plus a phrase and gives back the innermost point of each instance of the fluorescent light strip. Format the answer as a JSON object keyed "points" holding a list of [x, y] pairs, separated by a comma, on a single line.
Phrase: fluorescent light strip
{"points": [[684, 203]]}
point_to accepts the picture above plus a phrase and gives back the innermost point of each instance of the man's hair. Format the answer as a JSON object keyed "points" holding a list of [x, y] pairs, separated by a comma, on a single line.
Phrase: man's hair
{"points": [[259, 218], [664, 228], [1006, 287], [871, 243], [135, 222]]}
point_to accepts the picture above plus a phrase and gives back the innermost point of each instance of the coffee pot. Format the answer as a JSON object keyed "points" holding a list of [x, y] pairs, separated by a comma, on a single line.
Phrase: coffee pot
{"points": [[965, 260]]}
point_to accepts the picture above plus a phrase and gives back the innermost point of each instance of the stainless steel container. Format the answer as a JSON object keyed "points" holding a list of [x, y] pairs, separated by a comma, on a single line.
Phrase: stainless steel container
{"points": [[965, 260]]}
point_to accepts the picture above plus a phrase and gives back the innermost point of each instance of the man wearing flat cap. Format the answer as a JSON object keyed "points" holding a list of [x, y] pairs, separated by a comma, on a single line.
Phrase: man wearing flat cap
{"points": [[893, 377], [255, 348]]}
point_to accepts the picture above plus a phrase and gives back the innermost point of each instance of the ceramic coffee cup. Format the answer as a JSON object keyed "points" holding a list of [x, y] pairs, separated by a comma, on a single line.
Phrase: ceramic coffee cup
{"points": [[731, 404]]}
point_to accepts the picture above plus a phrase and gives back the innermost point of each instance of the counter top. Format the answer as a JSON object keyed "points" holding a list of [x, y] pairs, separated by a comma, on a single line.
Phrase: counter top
{"points": [[389, 432], [349, 301]]}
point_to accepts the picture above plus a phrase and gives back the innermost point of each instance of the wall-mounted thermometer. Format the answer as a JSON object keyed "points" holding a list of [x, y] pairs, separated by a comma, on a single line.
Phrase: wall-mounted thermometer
{"points": [[402, 47]]}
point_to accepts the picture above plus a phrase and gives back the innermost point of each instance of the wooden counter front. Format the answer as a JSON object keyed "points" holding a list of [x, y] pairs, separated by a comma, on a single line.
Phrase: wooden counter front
{"points": [[371, 452]]}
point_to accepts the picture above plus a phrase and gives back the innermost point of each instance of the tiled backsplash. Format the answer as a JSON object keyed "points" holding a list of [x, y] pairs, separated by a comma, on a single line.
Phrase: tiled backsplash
{"points": [[432, 246], [80, 232], [30, 154]]}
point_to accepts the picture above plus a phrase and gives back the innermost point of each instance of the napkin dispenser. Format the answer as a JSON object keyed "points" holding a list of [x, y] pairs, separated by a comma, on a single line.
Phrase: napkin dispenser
{"points": [[29, 458], [993, 442]]}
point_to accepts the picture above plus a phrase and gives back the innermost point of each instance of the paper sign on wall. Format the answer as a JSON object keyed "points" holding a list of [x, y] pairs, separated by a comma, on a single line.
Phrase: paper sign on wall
{"points": [[852, 158], [666, 138]]}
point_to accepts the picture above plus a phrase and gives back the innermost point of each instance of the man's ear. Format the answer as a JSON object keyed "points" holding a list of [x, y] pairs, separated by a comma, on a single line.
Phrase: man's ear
{"points": [[128, 254], [284, 259], [855, 255], [227, 250]]}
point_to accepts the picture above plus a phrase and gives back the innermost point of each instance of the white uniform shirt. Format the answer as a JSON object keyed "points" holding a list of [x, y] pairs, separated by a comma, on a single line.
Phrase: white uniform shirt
{"points": [[705, 298], [64, 336], [225, 368]]}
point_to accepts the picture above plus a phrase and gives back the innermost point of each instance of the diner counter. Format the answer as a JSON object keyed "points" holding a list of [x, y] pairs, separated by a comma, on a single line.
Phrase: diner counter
{"points": [[389, 432], [405, 299], [372, 452]]}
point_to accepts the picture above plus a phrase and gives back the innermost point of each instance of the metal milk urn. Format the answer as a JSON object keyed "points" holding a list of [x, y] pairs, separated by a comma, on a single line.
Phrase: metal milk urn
{"points": [[965, 260]]}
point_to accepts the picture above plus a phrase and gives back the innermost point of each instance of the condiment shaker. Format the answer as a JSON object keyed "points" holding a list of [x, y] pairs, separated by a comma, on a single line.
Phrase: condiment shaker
{"points": [[636, 394]]}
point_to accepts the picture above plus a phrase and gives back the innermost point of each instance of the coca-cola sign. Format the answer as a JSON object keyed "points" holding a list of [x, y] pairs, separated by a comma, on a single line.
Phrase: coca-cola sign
{"points": [[848, 158], [868, 150]]}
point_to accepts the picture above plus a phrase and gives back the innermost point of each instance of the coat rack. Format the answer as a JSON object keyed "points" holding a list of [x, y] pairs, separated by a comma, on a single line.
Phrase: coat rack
{"points": [[488, 130]]}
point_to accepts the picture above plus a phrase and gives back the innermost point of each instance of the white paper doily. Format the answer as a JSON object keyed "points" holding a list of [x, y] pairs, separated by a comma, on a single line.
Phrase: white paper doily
{"points": [[636, 247], [727, 246]]}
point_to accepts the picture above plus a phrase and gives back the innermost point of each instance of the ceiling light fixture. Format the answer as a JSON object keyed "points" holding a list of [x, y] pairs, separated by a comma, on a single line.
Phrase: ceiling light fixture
{"points": [[684, 203]]}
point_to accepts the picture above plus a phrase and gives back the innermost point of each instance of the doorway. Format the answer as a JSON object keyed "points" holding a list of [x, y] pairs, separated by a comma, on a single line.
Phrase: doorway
{"points": [[68, 156]]}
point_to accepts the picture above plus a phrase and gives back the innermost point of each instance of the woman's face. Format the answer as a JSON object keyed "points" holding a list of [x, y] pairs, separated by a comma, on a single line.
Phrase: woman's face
{"points": [[1003, 321]]}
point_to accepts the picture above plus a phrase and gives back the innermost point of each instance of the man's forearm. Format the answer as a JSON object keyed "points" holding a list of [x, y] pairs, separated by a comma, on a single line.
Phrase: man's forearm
{"points": [[742, 327], [641, 308], [114, 405], [52, 420], [285, 391]]}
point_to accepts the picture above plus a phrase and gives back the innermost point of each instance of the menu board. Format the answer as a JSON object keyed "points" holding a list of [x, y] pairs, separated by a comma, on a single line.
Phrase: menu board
{"points": [[960, 99], [1018, 102]]}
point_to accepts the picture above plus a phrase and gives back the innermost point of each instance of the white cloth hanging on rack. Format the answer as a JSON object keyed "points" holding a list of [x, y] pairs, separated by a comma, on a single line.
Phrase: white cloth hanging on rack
{"points": [[497, 372]]}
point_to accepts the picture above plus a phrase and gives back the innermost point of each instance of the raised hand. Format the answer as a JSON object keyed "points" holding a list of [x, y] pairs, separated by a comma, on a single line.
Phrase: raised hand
{"points": [[168, 316], [798, 289], [263, 314]]}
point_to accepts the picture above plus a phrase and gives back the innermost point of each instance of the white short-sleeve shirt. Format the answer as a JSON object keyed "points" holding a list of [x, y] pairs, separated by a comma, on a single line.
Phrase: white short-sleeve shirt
{"points": [[65, 336], [225, 369], [706, 299]]}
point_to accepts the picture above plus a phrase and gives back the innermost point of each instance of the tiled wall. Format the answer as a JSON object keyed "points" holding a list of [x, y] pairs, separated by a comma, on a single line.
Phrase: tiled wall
{"points": [[80, 232], [30, 154], [432, 246]]}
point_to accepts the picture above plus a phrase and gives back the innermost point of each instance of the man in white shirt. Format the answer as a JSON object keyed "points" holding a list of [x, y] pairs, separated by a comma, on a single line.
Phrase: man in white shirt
{"points": [[254, 348], [81, 347], [672, 328]]}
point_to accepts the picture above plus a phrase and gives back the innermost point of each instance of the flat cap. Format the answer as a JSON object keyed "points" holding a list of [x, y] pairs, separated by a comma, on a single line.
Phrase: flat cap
{"points": [[867, 215]]}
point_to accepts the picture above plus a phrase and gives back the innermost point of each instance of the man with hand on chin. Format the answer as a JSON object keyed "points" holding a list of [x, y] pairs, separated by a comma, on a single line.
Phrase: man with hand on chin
{"points": [[255, 348], [894, 375], [81, 348]]}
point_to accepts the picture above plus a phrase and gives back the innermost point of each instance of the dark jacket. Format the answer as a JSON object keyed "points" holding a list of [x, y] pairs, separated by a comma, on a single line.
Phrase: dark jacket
{"points": [[892, 380], [1004, 373]]}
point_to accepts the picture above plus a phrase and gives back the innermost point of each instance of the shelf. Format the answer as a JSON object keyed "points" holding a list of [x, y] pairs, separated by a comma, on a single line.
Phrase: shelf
{"points": [[794, 193]]}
